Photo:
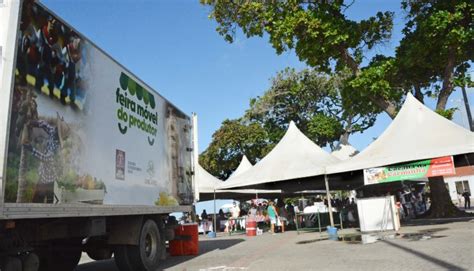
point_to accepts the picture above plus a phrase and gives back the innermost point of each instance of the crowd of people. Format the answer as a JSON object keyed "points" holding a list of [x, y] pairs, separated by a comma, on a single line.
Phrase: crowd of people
{"points": [[411, 203], [275, 215], [280, 215]]}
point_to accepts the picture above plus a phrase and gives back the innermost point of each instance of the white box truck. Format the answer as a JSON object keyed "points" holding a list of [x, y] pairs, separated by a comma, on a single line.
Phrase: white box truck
{"points": [[91, 158]]}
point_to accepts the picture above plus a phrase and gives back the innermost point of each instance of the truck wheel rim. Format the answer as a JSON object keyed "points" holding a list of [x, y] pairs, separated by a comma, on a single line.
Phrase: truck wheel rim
{"points": [[150, 246]]}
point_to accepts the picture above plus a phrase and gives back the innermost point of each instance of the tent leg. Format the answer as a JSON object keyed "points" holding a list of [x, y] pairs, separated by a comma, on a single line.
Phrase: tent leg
{"points": [[328, 195], [214, 220]]}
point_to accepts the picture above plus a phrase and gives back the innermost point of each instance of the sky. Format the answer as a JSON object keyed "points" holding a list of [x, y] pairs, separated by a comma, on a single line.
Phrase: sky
{"points": [[174, 48]]}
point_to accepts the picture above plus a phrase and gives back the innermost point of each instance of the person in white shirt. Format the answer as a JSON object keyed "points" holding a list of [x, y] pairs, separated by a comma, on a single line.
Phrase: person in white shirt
{"points": [[235, 215]]}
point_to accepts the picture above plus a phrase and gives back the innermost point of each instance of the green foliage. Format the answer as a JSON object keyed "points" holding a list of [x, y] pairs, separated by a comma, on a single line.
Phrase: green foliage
{"points": [[448, 113], [323, 107], [69, 181], [11, 182], [293, 96], [437, 48], [234, 139], [432, 59], [318, 31], [377, 78], [323, 128]]}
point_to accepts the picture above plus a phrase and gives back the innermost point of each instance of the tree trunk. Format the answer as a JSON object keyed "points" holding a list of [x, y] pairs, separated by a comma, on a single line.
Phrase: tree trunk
{"points": [[419, 95], [441, 204], [22, 183], [380, 101], [349, 60], [344, 139], [448, 84], [385, 105]]}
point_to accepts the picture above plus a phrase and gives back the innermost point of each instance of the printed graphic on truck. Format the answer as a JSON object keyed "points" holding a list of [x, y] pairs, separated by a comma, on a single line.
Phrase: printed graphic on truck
{"points": [[82, 129]]}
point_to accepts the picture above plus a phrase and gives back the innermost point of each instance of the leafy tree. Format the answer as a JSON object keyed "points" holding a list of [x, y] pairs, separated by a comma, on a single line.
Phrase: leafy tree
{"points": [[318, 31], [322, 106], [432, 58], [234, 139], [435, 53]]}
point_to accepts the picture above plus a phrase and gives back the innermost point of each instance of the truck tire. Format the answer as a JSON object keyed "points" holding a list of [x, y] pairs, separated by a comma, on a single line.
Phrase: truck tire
{"points": [[30, 262], [146, 255], [10, 264], [62, 256], [99, 254]]}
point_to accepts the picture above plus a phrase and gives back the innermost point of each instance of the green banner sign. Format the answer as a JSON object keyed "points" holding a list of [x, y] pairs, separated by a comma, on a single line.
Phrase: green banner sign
{"points": [[415, 170]]}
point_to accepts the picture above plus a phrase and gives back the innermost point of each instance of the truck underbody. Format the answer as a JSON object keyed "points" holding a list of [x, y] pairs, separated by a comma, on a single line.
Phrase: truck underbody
{"points": [[49, 240]]}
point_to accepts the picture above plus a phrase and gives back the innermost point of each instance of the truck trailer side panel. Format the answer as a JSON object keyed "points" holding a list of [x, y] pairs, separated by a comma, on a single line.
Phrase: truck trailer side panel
{"points": [[83, 129], [9, 14]]}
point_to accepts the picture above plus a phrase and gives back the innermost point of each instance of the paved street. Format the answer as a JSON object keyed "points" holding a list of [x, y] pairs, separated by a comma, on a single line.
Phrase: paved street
{"points": [[448, 246]]}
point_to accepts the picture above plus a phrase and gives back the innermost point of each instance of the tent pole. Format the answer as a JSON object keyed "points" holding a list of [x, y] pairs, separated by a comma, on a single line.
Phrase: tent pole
{"points": [[214, 220], [328, 195]]}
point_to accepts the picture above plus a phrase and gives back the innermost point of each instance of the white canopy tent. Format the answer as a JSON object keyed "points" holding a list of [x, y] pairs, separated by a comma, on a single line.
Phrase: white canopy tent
{"points": [[206, 182], [243, 166], [416, 133], [208, 185], [344, 152], [294, 157]]}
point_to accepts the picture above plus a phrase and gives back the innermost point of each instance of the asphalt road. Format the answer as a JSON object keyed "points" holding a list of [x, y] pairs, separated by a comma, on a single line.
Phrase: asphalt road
{"points": [[448, 246]]}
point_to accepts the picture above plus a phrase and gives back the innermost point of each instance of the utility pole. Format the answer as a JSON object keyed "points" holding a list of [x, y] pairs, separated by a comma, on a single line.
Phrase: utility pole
{"points": [[468, 109]]}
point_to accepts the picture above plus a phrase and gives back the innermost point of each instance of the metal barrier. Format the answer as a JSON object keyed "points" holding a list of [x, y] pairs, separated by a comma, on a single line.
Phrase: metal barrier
{"points": [[316, 221]]}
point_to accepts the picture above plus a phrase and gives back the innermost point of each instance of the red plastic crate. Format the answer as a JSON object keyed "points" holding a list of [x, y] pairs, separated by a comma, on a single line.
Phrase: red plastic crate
{"points": [[186, 240]]}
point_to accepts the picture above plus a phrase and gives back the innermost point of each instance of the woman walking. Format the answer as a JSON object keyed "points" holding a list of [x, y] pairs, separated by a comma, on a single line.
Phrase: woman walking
{"points": [[272, 215]]}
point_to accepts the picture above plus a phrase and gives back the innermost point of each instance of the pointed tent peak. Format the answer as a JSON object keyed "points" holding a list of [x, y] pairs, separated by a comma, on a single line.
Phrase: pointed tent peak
{"points": [[245, 161], [412, 102], [243, 166], [295, 141], [292, 129], [294, 157], [416, 133], [419, 114]]}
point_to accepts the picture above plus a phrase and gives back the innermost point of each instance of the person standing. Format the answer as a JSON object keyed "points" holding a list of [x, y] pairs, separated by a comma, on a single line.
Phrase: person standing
{"points": [[235, 216], [204, 215], [272, 215], [283, 218], [290, 210], [467, 199]]}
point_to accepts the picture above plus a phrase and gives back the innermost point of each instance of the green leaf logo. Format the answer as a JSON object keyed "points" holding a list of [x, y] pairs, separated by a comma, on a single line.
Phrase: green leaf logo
{"points": [[123, 81], [132, 87], [139, 92], [146, 97], [152, 101]]}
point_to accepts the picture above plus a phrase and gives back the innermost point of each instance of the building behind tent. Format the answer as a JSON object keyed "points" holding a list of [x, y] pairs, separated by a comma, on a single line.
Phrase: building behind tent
{"points": [[456, 184]]}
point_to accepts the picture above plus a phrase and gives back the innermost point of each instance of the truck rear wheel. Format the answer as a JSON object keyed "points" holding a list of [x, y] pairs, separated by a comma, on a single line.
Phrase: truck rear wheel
{"points": [[146, 255], [10, 264]]}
